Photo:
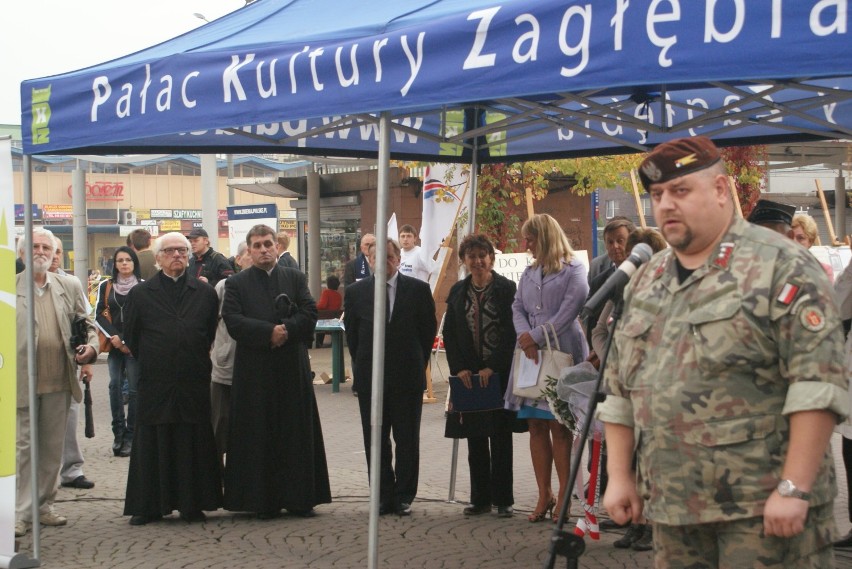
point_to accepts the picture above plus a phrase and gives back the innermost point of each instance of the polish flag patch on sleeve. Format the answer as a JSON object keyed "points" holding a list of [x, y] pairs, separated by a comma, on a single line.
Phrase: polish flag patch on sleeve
{"points": [[788, 294]]}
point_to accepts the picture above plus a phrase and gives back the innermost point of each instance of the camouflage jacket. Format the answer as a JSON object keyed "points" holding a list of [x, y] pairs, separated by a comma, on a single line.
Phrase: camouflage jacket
{"points": [[706, 372]]}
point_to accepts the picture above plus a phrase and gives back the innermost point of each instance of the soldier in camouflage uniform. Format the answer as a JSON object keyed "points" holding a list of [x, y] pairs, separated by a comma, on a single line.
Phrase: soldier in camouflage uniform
{"points": [[726, 378]]}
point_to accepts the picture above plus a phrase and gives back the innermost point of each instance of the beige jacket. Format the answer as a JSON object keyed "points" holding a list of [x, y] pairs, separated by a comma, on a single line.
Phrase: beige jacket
{"points": [[69, 302]]}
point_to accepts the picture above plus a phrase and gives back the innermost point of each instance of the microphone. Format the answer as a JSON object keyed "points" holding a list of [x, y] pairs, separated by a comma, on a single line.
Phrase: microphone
{"points": [[640, 254]]}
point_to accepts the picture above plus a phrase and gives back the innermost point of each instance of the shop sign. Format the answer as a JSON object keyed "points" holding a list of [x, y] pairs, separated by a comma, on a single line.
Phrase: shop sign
{"points": [[167, 225], [19, 212], [288, 224], [161, 213], [186, 213], [57, 211], [102, 191]]}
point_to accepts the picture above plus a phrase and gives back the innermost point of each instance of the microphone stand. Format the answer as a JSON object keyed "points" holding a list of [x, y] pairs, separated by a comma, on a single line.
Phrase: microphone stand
{"points": [[562, 542]]}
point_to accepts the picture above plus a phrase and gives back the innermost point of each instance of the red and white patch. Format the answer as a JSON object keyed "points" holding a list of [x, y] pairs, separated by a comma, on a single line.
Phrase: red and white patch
{"points": [[813, 319], [788, 294]]}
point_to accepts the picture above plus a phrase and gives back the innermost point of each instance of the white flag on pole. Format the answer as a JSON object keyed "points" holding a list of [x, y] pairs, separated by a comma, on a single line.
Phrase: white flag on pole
{"points": [[393, 232], [443, 190]]}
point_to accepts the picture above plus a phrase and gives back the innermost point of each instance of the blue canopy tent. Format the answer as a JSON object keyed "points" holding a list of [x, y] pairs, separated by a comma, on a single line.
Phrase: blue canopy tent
{"points": [[520, 79], [460, 81]]}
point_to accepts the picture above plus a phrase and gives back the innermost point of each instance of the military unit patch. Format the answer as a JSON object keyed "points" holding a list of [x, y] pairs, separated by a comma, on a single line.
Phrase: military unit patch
{"points": [[788, 294], [813, 319], [652, 171]]}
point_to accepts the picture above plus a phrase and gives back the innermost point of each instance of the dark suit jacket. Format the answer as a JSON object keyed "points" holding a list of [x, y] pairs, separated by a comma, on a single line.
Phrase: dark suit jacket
{"points": [[408, 336], [287, 260]]}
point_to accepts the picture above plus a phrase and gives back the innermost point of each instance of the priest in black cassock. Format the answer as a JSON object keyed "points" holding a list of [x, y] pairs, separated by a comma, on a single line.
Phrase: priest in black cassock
{"points": [[170, 327], [276, 456]]}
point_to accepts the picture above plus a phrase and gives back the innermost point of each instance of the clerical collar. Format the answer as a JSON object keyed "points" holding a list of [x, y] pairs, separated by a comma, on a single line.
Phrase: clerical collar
{"points": [[175, 279]]}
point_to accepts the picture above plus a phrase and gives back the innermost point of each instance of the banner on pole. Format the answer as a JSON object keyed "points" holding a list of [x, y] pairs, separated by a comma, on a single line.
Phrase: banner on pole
{"points": [[443, 190], [8, 344]]}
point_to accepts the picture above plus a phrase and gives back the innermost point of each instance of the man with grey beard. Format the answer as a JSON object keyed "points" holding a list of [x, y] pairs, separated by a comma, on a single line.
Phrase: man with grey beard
{"points": [[58, 300]]}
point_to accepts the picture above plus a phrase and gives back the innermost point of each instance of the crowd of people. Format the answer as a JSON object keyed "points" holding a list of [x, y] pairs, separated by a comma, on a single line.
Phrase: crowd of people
{"points": [[724, 379]]}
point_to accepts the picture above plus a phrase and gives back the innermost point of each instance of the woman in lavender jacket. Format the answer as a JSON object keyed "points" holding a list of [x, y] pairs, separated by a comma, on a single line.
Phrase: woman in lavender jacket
{"points": [[551, 290]]}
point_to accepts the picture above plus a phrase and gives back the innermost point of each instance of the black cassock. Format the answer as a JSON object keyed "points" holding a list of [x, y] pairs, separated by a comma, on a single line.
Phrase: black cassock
{"points": [[174, 466], [276, 456]]}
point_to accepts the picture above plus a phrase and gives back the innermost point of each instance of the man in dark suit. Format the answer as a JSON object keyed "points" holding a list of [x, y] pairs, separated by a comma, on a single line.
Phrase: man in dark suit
{"points": [[409, 334], [285, 259]]}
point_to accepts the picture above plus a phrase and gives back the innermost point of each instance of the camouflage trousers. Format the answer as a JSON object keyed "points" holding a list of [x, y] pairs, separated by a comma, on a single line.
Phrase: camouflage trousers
{"points": [[741, 544]]}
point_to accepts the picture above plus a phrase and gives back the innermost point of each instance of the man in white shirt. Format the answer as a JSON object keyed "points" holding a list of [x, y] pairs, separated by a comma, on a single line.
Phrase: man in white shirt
{"points": [[413, 261]]}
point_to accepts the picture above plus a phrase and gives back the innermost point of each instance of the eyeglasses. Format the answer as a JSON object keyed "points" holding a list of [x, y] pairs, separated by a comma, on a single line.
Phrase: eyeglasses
{"points": [[173, 250]]}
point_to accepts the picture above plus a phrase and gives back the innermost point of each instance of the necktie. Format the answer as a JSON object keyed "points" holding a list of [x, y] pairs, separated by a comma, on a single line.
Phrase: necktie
{"points": [[388, 301]]}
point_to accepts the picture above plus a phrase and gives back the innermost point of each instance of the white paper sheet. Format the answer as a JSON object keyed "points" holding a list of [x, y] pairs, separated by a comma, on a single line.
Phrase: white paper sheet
{"points": [[528, 375]]}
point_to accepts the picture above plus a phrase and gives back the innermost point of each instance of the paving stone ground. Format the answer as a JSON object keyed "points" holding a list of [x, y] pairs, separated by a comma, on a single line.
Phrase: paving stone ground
{"points": [[436, 536]]}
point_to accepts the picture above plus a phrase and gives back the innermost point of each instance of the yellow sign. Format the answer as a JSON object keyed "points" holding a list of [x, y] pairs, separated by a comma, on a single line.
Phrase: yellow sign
{"points": [[167, 225], [8, 342]]}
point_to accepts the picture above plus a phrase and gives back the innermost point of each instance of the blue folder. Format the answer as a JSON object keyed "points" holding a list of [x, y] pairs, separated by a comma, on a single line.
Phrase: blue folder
{"points": [[477, 398]]}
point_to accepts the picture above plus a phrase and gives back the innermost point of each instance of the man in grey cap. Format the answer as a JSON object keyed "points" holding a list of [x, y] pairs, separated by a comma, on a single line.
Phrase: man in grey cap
{"points": [[774, 215], [205, 264]]}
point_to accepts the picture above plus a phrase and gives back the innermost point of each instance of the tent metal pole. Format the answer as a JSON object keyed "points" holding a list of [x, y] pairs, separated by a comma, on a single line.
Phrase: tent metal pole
{"points": [[380, 319], [31, 353], [314, 232]]}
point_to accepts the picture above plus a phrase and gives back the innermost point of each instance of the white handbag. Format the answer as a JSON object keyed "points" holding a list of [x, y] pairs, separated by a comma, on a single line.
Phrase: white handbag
{"points": [[529, 379]]}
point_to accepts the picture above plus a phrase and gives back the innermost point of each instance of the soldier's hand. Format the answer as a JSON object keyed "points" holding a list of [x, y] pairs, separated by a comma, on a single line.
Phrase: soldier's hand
{"points": [[622, 501], [784, 516]]}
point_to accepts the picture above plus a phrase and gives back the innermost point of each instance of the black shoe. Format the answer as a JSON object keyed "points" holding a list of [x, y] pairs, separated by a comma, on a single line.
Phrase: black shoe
{"points": [[476, 510], [270, 515], [80, 482], [505, 511], [404, 509], [116, 444], [385, 509], [302, 513], [197, 516], [845, 541], [634, 534], [142, 519], [646, 542], [126, 448]]}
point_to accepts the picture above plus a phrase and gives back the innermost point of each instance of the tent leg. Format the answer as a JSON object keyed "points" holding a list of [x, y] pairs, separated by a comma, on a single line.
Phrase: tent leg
{"points": [[18, 561], [380, 318], [31, 352], [454, 466]]}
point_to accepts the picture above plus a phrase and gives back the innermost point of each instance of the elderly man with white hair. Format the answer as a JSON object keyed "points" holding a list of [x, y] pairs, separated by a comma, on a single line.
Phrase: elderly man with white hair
{"points": [[57, 302]]}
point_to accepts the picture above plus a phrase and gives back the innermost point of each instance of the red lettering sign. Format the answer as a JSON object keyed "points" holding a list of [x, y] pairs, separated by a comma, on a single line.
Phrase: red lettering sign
{"points": [[102, 191]]}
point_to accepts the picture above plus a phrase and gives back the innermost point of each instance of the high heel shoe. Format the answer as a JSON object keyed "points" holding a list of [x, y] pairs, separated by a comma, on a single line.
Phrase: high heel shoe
{"points": [[537, 516]]}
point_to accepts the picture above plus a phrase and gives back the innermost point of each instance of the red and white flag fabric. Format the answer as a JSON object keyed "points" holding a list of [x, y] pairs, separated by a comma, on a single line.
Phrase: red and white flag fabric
{"points": [[444, 188]]}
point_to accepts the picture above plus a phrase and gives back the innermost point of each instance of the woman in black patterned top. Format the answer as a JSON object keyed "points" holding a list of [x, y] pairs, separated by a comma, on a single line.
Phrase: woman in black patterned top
{"points": [[479, 338]]}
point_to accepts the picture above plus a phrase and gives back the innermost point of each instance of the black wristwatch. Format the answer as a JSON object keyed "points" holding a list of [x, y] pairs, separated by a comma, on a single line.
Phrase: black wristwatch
{"points": [[787, 489]]}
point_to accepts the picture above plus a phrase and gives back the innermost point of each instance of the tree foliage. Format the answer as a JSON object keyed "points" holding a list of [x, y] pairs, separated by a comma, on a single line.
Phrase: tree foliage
{"points": [[501, 191], [747, 165]]}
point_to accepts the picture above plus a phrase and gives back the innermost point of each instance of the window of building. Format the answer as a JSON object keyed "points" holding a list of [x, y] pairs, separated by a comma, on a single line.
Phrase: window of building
{"points": [[611, 209]]}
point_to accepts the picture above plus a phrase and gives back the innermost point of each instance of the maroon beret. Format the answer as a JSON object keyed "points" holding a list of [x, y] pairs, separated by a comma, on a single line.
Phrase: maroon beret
{"points": [[677, 158]]}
